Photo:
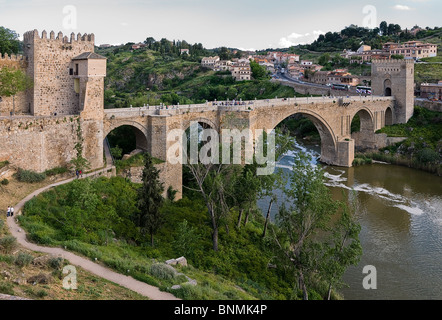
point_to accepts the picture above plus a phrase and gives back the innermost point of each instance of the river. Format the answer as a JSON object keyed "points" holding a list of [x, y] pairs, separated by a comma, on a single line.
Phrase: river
{"points": [[400, 213]]}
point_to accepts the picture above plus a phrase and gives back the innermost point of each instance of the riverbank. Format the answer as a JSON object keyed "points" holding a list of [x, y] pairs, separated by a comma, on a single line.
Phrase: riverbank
{"points": [[422, 148]]}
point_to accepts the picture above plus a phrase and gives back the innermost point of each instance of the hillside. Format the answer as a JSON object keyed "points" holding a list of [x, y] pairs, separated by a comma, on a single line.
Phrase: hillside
{"points": [[37, 276], [147, 76]]}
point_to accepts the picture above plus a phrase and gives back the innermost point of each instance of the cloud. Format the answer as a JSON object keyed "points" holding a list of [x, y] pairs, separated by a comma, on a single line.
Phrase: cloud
{"points": [[295, 39], [402, 8]]}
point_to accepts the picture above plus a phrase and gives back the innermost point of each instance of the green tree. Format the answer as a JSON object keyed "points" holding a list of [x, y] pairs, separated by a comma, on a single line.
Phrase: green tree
{"points": [[383, 27], [79, 162], [343, 250], [9, 42], [324, 59], [13, 81], [310, 211], [150, 200], [258, 72]]}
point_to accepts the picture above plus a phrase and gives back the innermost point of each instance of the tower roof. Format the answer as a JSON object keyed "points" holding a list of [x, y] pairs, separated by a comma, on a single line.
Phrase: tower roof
{"points": [[88, 55]]}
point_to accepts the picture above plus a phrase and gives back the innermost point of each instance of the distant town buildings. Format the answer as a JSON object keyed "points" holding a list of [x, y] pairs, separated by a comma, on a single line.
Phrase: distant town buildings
{"points": [[138, 46], [239, 68], [409, 50], [412, 49], [432, 91]]}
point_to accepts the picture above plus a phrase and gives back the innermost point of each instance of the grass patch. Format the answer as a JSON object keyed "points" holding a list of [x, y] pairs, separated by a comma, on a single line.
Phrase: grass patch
{"points": [[29, 176], [3, 164]]}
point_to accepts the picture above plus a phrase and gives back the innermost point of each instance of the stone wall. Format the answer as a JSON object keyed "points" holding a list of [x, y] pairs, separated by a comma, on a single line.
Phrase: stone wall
{"points": [[313, 90], [20, 100], [430, 105], [42, 143]]}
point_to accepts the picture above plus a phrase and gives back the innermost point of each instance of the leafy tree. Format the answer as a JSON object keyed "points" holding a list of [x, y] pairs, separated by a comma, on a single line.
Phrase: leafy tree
{"points": [[13, 81], [9, 42], [79, 162], [343, 250], [150, 199], [258, 72], [224, 53], [309, 213], [324, 59], [383, 27]]}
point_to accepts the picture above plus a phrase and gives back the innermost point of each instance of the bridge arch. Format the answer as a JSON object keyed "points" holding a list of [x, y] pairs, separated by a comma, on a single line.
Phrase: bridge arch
{"points": [[363, 133], [142, 140], [388, 117], [328, 137], [204, 122]]}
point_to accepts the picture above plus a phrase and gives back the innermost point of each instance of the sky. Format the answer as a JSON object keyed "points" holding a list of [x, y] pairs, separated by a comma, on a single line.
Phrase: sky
{"points": [[243, 24]]}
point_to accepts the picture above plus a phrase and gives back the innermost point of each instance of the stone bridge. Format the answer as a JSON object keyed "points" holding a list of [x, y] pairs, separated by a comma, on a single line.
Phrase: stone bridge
{"points": [[331, 116]]}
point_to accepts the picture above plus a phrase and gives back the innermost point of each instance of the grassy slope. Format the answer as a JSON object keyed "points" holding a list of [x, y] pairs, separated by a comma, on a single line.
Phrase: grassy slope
{"points": [[89, 286], [122, 254]]}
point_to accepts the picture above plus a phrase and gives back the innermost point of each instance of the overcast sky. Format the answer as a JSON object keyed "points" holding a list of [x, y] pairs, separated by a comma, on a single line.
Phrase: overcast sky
{"points": [[246, 24]]}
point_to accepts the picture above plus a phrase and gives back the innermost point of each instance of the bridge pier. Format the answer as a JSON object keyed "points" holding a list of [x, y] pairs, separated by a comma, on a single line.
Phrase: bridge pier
{"points": [[345, 153]]}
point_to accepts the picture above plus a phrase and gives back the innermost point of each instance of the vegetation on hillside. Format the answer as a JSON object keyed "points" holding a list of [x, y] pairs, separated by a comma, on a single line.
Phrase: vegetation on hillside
{"points": [[98, 218], [351, 37], [157, 74], [423, 147]]}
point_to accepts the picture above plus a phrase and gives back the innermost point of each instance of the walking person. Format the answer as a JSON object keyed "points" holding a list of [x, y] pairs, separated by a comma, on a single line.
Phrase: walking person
{"points": [[77, 173], [12, 211], [8, 213]]}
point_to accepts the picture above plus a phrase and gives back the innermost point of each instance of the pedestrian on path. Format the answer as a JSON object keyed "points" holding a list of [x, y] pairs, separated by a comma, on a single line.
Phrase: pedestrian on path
{"points": [[77, 173], [8, 213], [12, 211]]}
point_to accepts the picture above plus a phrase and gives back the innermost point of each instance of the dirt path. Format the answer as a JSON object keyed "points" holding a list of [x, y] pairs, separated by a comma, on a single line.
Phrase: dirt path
{"points": [[125, 281]]}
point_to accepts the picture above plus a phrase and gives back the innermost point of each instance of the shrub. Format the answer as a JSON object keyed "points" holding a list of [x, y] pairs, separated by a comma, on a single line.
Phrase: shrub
{"points": [[3, 163], [55, 263], [5, 182], [30, 176], [163, 271], [23, 259], [41, 293], [6, 288], [428, 155], [8, 244], [55, 171]]}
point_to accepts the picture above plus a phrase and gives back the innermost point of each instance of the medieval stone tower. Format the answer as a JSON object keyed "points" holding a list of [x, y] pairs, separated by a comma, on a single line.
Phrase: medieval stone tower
{"points": [[68, 76], [395, 78], [67, 98]]}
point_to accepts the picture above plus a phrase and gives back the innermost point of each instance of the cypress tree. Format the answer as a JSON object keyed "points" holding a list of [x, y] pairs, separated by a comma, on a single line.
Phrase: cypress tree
{"points": [[150, 199]]}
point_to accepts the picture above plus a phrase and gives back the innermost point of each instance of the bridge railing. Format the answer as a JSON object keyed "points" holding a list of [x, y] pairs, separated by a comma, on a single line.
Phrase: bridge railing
{"points": [[232, 105]]}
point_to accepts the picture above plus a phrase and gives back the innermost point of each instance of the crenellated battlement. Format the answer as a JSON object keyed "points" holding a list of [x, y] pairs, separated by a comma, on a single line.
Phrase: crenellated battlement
{"points": [[31, 36], [12, 57], [390, 62]]}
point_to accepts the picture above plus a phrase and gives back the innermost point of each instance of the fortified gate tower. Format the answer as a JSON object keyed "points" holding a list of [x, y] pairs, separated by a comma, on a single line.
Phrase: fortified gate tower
{"points": [[68, 76], [395, 78]]}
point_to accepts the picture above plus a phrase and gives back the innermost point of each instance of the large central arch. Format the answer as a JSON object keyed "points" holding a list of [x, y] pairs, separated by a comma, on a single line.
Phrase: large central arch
{"points": [[328, 138]]}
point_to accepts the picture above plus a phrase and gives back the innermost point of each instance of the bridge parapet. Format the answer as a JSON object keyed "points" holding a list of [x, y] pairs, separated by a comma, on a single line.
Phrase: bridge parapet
{"points": [[171, 110]]}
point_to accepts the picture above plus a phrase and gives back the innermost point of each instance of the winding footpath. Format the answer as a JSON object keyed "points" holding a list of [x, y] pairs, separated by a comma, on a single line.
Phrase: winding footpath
{"points": [[142, 288]]}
